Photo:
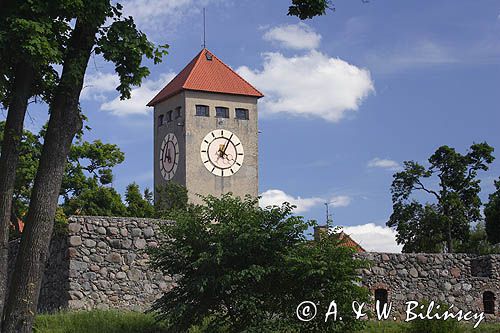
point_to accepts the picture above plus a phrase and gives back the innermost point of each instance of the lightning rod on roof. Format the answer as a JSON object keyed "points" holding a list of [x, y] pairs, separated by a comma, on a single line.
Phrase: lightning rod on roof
{"points": [[204, 30]]}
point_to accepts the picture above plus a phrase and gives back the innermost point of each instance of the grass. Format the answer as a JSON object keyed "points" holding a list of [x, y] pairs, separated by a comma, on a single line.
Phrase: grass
{"points": [[133, 322], [97, 322], [392, 327]]}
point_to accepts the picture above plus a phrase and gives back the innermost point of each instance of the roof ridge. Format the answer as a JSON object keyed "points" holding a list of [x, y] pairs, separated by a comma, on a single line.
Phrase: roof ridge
{"points": [[199, 75], [222, 62], [198, 58]]}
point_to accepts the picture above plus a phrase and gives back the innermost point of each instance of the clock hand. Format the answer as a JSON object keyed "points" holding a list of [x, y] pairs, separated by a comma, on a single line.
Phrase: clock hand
{"points": [[169, 158], [227, 144]]}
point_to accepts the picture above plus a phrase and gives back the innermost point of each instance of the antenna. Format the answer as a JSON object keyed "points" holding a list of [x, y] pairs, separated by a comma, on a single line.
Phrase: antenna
{"points": [[328, 216], [204, 30]]}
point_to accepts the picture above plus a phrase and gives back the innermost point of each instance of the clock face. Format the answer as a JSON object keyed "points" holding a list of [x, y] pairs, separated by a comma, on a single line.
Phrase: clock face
{"points": [[222, 153], [169, 156]]}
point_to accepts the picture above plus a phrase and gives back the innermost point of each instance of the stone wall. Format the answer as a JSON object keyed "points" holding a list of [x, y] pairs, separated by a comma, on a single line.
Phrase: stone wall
{"points": [[108, 265], [55, 282], [102, 264], [458, 279]]}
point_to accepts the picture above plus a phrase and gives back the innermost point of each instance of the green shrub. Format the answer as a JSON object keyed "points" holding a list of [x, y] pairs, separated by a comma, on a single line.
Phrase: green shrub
{"points": [[247, 269], [433, 325]]}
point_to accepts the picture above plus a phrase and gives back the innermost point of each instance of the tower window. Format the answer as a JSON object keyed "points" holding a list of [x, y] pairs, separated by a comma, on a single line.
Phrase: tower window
{"points": [[160, 120], [242, 114], [202, 110], [221, 112], [178, 112], [169, 116], [489, 302], [381, 296]]}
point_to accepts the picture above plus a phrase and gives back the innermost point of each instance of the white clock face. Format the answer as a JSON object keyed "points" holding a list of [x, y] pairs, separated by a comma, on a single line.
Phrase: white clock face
{"points": [[222, 153], [169, 156]]}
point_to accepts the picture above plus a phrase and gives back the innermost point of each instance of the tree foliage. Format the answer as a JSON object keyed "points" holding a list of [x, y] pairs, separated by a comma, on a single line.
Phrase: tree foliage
{"points": [[170, 197], [492, 215], [88, 170], [139, 205], [454, 204], [307, 9], [241, 268]]}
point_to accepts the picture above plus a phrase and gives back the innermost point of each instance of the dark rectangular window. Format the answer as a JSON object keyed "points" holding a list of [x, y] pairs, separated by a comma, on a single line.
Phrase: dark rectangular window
{"points": [[202, 110], [169, 116], [221, 112], [178, 112], [242, 113], [160, 120]]}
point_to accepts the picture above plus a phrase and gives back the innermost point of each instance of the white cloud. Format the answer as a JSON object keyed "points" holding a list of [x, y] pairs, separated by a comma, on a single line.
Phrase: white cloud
{"points": [[140, 96], [384, 164], [277, 197], [294, 36], [95, 86], [313, 85], [163, 15], [374, 238], [340, 201]]}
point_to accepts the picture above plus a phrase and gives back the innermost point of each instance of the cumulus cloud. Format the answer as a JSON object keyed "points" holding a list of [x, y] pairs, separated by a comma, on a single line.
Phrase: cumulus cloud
{"points": [[95, 86], [313, 85], [374, 238], [139, 97], [99, 86], [158, 15], [277, 197], [294, 36], [340, 201], [384, 164]]}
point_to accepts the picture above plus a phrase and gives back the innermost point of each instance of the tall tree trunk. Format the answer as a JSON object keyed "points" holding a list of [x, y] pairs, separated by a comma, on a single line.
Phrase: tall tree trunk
{"points": [[65, 121], [21, 92]]}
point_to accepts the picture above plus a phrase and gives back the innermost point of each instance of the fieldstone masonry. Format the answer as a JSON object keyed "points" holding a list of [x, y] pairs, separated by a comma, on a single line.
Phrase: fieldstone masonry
{"points": [[458, 279], [102, 264]]}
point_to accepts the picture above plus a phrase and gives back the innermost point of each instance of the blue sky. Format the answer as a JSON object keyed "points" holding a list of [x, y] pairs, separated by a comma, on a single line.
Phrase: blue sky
{"points": [[349, 96]]}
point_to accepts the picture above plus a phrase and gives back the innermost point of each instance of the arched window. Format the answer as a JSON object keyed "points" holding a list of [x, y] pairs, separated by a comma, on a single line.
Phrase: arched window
{"points": [[489, 302], [381, 296]]}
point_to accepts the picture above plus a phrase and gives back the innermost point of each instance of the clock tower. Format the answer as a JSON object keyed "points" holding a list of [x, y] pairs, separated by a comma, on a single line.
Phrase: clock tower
{"points": [[205, 130]]}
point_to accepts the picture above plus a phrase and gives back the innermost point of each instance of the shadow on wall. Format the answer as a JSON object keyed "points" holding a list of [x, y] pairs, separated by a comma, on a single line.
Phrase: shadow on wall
{"points": [[55, 284]]}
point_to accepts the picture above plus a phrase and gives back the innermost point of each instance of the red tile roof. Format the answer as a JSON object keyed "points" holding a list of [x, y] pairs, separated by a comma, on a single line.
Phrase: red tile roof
{"points": [[349, 242], [203, 74]]}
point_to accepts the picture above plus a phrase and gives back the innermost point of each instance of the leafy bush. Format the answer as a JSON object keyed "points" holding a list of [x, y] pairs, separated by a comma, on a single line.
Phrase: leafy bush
{"points": [[241, 268], [433, 325]]}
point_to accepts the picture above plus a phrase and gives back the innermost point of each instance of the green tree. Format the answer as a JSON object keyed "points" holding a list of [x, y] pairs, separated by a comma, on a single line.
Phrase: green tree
{"points": [[30, 39], [478, 242], [492, 215], [96, 201], [307, 9], [455, 204], [137, 205], [170, 197], [88, 170], [119, 42], [242, 268]]}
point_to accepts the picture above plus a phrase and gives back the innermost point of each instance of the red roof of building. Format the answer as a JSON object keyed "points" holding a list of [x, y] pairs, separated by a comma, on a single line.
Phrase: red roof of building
{"points": [[208, 73], [349, 242]]}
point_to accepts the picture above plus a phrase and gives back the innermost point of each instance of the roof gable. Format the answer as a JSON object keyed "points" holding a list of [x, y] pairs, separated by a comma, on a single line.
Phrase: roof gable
{"points": [[207, 73]]}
